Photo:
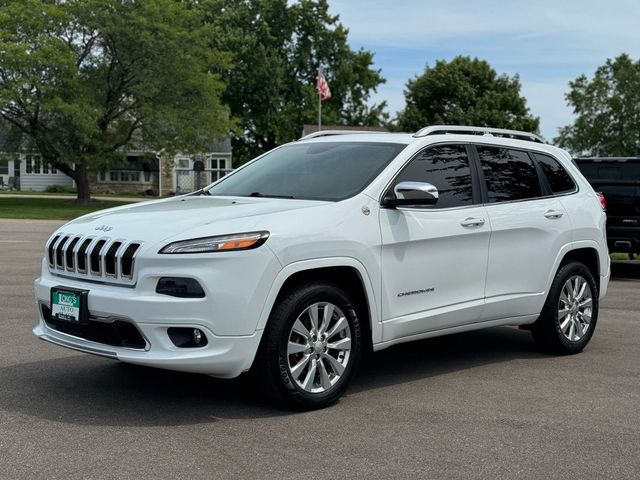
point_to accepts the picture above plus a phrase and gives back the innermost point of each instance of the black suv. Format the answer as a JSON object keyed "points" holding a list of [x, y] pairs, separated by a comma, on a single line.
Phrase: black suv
{"points": [[619, 180]]}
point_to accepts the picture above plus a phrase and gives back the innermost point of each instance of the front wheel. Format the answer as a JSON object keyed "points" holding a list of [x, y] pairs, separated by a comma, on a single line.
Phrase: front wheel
{"points": [[311, 348], [569, 316]]}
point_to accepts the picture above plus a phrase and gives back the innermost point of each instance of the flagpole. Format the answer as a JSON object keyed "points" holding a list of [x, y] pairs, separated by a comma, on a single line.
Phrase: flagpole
{"points": [[319, 112]]}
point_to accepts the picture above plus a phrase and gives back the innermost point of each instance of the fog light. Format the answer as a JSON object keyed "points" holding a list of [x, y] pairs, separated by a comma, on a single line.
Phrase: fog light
{"points": [[197, 336], [187, 337]]}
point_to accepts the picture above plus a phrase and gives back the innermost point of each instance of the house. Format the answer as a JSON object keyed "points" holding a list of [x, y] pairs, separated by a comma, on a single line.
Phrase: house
{"points": [[26, 171], [138, 174], [186, 173], [142, 172]]}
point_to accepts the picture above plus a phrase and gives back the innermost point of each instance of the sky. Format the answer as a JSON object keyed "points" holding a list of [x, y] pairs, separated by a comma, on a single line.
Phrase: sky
{"points": [[547, 43]]}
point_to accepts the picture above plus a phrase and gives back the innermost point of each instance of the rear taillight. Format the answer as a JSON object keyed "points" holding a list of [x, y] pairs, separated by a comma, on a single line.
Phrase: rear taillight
{"points": [[603, 201]]}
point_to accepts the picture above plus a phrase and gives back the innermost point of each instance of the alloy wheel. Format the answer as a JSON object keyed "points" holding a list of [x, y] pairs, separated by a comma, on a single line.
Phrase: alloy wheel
{"points": [[319, 347], [575, 308]]}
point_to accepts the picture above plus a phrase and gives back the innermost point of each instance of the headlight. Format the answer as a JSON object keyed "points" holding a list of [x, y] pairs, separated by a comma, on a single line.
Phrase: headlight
{"points": [[219, 243]]}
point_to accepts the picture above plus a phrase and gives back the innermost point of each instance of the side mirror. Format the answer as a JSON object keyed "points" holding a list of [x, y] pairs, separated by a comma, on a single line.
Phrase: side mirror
{"points": [[414, 194]]}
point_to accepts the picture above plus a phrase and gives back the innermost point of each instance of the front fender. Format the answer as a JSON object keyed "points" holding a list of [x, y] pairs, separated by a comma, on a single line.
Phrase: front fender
{"points": [[303, 265]]}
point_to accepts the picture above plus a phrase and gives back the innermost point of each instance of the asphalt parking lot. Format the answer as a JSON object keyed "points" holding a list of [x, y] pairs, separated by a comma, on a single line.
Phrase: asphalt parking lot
{"points": [[479, 405]]}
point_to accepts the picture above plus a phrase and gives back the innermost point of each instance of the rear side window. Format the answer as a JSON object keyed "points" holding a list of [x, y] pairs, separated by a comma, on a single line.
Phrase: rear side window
{"points": [[558, 178], [510, 174], [446, 167]]}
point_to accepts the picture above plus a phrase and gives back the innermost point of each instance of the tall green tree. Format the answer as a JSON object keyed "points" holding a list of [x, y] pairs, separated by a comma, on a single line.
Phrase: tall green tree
{"points": [[607, 109], [86, 80], [465, 91], [276, 47]]}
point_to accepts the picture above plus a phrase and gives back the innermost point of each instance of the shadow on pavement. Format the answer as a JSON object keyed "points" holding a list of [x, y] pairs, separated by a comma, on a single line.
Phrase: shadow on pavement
{"points": [[625, 269], [88, 390]]}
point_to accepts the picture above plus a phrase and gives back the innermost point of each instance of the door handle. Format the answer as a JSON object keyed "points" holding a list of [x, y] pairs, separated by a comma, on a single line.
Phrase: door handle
{"points": [[472, 222], [552, 214]]}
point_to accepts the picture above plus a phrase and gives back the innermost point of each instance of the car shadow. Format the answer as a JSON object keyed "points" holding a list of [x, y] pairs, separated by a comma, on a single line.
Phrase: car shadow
{"points": [[625, 269], [88, 390]]}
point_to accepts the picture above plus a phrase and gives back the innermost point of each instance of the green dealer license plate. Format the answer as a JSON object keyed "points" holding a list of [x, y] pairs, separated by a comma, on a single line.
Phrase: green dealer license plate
{"points": [[69, 305]]}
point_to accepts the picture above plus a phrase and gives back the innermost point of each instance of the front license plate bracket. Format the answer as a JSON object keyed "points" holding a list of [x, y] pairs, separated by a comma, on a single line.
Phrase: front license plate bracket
{"points": [[70, 305]]}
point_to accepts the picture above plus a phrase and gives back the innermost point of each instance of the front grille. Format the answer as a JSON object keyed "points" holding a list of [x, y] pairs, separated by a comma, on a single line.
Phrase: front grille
{"points": [[92, 257], [118, 333]]}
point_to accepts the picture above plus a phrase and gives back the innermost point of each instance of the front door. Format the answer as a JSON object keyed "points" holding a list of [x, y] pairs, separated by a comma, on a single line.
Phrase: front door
{"points": [[434, 259]]}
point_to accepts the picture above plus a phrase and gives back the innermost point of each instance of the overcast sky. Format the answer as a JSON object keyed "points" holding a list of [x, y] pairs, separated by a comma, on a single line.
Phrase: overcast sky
{"points": [[548, 43]]}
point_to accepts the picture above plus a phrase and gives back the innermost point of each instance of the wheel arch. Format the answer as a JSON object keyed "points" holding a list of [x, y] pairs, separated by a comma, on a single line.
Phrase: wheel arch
{"points": [[586, 255], [347, 273]]}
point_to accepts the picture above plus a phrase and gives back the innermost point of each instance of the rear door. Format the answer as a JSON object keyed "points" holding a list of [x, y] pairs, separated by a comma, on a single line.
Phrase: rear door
{"points": [[434, 259], [528, 229]]}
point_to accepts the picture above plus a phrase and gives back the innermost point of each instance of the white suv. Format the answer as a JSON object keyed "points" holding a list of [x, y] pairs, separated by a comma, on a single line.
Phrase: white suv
{"points": [[297, 263]]}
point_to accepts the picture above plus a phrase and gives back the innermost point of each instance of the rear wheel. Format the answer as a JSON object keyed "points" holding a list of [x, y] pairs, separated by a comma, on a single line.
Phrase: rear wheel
{"points": [[311, 348], [569, 316]]}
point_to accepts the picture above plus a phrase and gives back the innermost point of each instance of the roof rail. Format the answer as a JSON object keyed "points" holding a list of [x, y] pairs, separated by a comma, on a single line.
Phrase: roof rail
{"points": [[501, 132], [328, 133]]}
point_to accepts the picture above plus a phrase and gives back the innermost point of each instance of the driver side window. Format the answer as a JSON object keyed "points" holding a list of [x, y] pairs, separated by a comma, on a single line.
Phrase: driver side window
{"points": [[447, 168]]}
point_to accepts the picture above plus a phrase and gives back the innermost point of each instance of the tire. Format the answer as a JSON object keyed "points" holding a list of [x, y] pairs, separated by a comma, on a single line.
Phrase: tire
{"points": [[281, 369], [566, 323]]}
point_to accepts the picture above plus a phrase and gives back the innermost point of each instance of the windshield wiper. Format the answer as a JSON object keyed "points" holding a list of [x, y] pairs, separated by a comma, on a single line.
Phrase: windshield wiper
{"points": [[262, 195]]}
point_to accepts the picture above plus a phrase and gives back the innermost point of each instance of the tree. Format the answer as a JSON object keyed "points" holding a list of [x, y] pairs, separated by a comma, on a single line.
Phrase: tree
{"points": [[607, 110], [465, 91], [86, 80], [276, 47]]}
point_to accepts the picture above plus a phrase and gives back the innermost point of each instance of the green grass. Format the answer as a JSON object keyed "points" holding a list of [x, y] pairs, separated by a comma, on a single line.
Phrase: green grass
{"points": [[49, 208], [73, 195], [619, 256]]}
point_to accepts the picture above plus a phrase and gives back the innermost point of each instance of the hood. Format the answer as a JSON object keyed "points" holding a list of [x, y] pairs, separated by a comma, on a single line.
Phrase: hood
{"points": [[161, 219]]}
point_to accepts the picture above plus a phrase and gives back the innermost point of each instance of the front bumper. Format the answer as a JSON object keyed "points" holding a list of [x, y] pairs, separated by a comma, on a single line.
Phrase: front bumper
{"points": [[227, 315], [223, 357]]}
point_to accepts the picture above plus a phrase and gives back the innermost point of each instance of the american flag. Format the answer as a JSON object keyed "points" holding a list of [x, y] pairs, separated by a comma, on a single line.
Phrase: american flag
{"points": [[322, 87]]}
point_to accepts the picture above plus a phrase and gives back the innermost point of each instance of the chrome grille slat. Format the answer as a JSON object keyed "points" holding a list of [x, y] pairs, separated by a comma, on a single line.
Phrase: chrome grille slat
{"points": [[69, 256], [93, 258], [51, 249], [60, 252], [81, 255]]}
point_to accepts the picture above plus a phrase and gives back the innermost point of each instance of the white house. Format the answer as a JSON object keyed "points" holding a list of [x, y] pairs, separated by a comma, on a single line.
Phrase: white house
{"points": [[141, 172], [27, 172]]}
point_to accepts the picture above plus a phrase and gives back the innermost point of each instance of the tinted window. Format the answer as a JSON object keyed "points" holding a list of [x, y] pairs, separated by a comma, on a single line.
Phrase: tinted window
{"points": [[610, 170], [510, 174], [558, 178], [315, 171], [447, 168]]}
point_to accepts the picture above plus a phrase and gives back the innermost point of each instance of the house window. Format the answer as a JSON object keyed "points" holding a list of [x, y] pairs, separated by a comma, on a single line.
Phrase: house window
{"points": [[36, 165], [53, 170], [114, 176], [183, 163], [218, 163], [45, 167], [4, 167], [147, 176], [29, 165]]}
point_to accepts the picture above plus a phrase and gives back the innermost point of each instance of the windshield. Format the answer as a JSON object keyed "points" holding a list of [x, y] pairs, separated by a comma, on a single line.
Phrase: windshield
{"points": [[312, 171]]}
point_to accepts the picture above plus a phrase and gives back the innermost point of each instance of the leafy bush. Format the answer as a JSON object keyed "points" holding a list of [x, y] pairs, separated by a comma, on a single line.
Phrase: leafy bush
{"points": [[59, 189]]}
